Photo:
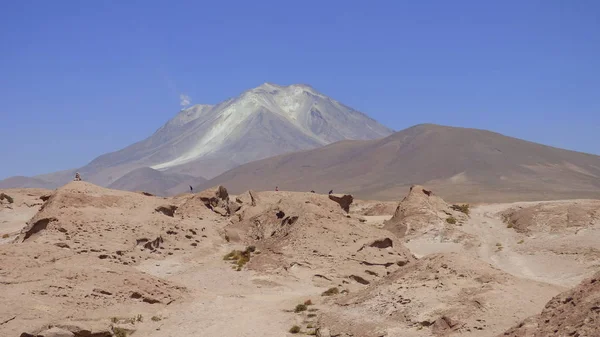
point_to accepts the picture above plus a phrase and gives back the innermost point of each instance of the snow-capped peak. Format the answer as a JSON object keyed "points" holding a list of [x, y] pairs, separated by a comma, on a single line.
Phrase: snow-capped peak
{"points": [[293, 117]]}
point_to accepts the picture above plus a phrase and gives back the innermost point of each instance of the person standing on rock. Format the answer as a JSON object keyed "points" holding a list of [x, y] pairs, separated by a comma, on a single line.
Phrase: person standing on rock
{"points": [[276, 188], [77, 176], [191, 189]]}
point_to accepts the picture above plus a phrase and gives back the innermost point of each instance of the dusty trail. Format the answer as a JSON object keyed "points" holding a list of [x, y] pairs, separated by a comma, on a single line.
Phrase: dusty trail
{"points": [[498, 243], [521, 255], [226, 302], [525, 256]]}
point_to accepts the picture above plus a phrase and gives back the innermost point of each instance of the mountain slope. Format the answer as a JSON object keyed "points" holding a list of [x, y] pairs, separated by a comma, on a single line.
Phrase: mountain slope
{"points": [[461, 164], [207, 140], [156, 182], [25, 182]]}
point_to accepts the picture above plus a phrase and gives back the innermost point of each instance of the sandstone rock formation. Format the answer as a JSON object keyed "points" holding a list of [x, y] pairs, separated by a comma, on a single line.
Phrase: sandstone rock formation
{"points": [[343, 200], [575, 312], [421, 211], [443, 293]]}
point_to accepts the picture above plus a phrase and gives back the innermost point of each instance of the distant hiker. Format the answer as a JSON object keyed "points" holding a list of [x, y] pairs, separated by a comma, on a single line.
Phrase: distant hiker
{"points": [[331, 192], [77, 176], [191, 189], [276, 188]]}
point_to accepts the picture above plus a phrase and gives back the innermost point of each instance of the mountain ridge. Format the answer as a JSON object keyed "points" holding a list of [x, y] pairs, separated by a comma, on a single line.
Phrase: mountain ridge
{"points": [[462, 164], [207, 140]]}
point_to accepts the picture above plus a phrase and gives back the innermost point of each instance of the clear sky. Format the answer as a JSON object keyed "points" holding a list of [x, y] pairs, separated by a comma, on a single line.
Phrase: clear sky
{"points": [[82, 78]]}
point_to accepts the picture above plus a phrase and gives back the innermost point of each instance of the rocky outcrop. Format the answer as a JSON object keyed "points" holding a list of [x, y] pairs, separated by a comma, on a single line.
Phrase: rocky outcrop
{"points": [[575, 312], [420, 211], [344, 200], [216, 199], [8, 198], [34, 227], [247, 198], [168, 210], [73, 329]]}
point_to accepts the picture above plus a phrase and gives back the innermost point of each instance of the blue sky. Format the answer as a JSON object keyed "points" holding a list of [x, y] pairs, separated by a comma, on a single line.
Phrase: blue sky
{"points": [[82, 78]]}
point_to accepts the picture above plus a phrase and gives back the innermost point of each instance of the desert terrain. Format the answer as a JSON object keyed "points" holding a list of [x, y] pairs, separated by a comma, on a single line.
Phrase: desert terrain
{"points": [[83, 260]]}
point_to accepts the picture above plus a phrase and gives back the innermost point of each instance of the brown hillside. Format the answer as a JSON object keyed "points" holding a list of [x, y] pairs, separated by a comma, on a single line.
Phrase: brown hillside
{"points": [[460, 164]]}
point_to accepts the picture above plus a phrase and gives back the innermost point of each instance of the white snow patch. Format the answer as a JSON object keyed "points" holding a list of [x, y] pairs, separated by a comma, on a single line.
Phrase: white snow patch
{"points": [[292, 102]]}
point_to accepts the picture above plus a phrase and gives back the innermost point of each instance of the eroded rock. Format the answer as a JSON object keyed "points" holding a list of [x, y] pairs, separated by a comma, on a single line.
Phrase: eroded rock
{"points": [[168, 210], [343, 200]]}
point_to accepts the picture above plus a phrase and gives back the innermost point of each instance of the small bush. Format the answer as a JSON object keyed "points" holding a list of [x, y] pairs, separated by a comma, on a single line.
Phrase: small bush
{"points": [[521, 241], [451, 220], [312, 333], [510, 225], [300, 308], [464, 208], [156, 319], [4, 236], [331, 292], [308, 302], [498, 244], [311, 315], [239, 258], [295, 329], [114, 320], [309, 326]]}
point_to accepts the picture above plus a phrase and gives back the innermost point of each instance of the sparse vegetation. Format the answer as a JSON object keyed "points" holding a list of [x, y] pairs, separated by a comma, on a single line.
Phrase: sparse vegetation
{"points": [[451, 220], [132, 320], [300, 308], [156, 319], [239, 258], [331, 292], [311, 315], [4, 236], [499, 247], [464, 208], [521, 241], [312, 332], [4, 196], [309, 326], [295, 329]]}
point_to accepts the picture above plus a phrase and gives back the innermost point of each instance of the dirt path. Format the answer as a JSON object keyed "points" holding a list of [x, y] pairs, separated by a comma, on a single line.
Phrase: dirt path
{"points": [[530, 257], [520, 255], [224, 302]]}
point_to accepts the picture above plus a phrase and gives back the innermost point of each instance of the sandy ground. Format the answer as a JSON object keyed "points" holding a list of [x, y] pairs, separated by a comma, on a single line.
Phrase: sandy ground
{"points": [[226, 302], [220, 301], [512, 252]]}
